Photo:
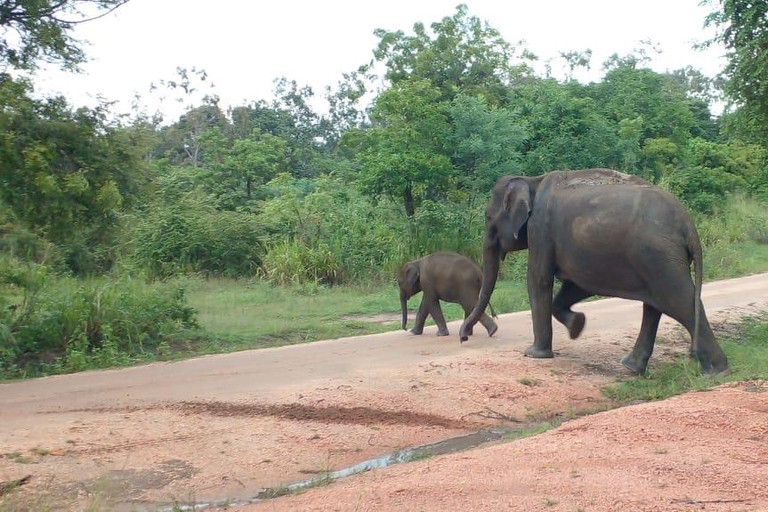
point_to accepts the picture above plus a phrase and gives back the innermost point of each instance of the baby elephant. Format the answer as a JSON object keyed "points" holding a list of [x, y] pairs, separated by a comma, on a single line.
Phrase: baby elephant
{"points": [[441, 276]]}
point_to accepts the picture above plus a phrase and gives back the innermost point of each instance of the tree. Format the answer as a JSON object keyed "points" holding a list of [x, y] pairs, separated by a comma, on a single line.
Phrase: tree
{"points": [[486, 141], [464, 55], [236, 168], [628, 92], [65, 173], [566, 129], [34, 30], [743, 30], [401, 157]]}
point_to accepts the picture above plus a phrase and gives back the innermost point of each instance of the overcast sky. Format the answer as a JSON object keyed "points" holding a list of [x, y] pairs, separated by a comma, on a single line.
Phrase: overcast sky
{"points": [[245, 44]]}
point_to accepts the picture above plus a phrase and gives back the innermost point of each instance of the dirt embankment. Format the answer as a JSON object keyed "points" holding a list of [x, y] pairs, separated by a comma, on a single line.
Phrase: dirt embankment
{"points": [[224, 427]]}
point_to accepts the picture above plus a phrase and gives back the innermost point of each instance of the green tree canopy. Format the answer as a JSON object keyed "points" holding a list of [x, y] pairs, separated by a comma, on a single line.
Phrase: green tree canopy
{"points": [[402, 156], [33, 30], [463, 54], [743, 29]]}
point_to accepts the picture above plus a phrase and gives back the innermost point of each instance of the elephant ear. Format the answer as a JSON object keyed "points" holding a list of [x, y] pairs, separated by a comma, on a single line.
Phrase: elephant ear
{"points": [[517, 201], [412, 275]]}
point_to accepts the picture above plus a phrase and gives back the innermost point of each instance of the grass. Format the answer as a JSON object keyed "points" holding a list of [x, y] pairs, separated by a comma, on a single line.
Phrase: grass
{"points": [[255, 314], [747, 352], [241, 314], [248, 314]]}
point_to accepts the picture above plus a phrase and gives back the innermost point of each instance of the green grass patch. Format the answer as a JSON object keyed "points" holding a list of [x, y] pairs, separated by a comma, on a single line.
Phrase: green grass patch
{"points": [[747, 352], [242, 313], [723, 261]]}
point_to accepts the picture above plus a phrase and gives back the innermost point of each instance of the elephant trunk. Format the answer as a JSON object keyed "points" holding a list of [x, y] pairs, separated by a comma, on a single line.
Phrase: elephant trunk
{"points": [[404, 308], [491, 262]]}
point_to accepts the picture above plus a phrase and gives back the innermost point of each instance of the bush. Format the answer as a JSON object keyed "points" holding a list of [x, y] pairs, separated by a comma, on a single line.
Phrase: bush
{"points": [[332, 225], [740, 219], [193, 236], [702, 189], [62, 324], [292, 262]]}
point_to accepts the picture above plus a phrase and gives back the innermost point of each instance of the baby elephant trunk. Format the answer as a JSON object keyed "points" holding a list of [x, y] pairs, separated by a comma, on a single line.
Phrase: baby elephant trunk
{"points": [[404, 307]]}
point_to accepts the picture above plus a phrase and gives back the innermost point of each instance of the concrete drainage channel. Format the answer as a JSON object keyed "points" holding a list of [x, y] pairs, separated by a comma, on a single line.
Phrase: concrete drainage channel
{"points": [[452, 445]]}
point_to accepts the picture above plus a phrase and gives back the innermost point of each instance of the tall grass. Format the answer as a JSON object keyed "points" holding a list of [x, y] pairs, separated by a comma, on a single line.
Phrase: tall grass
{"points": [[51, 324]]}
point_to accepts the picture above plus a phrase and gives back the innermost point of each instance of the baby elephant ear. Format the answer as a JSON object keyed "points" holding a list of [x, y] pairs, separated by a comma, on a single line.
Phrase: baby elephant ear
{"points": [[412, 274], [517, 201]]}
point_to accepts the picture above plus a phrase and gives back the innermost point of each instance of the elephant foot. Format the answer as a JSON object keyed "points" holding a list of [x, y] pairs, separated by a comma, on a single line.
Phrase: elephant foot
{"points": [[493, 329], [715, 369], [538, 353], [443, 332], [633, 366], [417, 331], [576, 325]]}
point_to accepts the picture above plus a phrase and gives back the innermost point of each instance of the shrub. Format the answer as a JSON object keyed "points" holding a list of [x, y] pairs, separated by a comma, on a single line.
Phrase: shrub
{"points": [[191, 235], [292, 262], [740, 219], [64, 324], [702, 189]]}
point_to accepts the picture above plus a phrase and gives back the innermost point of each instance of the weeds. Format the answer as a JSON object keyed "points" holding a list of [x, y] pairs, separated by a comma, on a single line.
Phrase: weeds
{"points": [[747, 353]]}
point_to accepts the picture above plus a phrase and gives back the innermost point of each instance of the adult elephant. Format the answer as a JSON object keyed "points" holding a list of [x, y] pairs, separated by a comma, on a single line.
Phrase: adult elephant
{"points": [[601, 232]]}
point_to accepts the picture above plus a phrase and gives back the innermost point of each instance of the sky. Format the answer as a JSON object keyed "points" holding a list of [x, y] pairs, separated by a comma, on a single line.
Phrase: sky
{"points": [[244, 45]]}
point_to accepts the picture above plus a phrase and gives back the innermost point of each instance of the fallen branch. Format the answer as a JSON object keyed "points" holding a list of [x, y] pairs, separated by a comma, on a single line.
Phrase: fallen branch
{"points": [[6, 487], [490, 414], [690, 501]]}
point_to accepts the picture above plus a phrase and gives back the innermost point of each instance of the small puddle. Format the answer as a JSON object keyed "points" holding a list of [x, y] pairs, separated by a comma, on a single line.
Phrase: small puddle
{"points": [[452, 445]]}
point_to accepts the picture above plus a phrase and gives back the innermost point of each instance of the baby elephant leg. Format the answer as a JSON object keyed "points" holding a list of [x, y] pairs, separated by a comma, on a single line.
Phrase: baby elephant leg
{"points": [[489, 324], [437, 316]]}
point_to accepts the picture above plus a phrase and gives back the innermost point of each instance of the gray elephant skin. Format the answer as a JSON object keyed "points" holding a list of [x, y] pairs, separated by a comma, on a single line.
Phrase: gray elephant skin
{"points": [[601, 232], [443, 276]]}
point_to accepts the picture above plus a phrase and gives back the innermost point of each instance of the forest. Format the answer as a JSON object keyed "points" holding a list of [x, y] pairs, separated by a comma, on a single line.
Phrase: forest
{"points": [[107, 220]]}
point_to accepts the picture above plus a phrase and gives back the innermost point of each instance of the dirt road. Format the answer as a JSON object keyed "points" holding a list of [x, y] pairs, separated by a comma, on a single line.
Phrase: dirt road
{"points": [[224, 427]]}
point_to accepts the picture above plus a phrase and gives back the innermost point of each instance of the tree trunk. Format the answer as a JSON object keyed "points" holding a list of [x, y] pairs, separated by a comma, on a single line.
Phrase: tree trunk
{"points": [[408, 198]]}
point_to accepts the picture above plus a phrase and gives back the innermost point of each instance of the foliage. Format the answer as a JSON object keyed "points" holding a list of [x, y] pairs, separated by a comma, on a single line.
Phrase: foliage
{"points": [[741, 219], [711, 171], [32, 30], [401, 156], [464, 54], [487, 141], [66, 173], [53, 324], [189, 234], [566, 130], [743, 30]]}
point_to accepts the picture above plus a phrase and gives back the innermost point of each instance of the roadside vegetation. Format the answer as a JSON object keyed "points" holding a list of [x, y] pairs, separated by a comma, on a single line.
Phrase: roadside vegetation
{"points": [[747, 351], [132, 238]]}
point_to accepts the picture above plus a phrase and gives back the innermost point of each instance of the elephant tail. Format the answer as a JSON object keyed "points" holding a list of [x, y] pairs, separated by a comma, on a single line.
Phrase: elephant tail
{"points": [[493, 313], [694, 249]]}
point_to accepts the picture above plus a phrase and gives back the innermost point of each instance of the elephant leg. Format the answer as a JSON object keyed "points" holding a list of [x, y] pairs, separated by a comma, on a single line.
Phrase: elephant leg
{"points": [[637, 360], [489, 324], [674, 295], [421, 316], [540, 283], [437, 314], [570, 293]]}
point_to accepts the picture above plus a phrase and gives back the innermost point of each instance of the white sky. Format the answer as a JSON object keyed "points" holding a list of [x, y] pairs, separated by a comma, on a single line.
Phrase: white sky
{"points": [[245, 44]]}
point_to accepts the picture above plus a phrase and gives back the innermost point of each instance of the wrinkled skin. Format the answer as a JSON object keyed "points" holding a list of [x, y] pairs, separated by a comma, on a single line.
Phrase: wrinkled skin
{"points": [[602, 233], [442, 276]]}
